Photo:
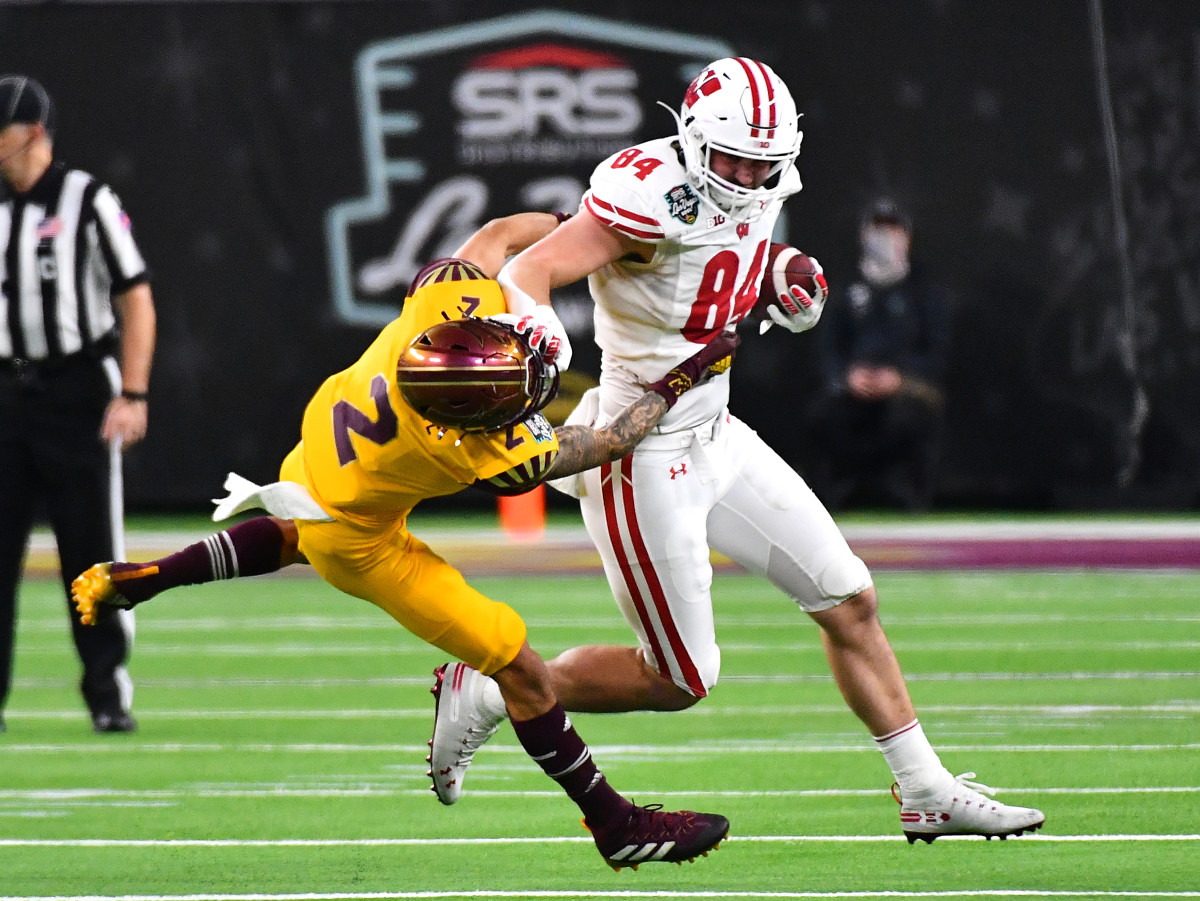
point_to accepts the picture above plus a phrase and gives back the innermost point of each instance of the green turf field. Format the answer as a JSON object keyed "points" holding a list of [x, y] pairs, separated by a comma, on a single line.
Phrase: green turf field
{"points": [[283, 728]]}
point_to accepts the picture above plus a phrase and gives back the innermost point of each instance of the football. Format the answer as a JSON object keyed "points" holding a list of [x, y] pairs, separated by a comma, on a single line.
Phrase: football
{"points": [[786, 266]]}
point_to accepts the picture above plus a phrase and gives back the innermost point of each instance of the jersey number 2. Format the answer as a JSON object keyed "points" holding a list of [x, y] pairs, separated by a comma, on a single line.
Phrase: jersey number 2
{"points": [[348, 418]]}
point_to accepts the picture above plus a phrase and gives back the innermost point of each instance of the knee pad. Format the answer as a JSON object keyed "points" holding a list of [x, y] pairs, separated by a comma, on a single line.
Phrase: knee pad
{"points": [[830, 576], [839, 574]]}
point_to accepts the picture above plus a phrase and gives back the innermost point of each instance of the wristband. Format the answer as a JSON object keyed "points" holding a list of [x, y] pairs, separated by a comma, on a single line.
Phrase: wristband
{"points": [[672, 385], [135, 396], [517, 300]]}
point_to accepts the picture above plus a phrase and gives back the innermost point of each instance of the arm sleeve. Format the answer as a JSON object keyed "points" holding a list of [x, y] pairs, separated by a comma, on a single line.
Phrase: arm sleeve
{"points": [[121, 254]]}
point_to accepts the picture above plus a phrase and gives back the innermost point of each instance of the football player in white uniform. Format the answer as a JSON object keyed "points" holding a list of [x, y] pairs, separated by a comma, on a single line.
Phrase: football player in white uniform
{"points": [[673, 235]]}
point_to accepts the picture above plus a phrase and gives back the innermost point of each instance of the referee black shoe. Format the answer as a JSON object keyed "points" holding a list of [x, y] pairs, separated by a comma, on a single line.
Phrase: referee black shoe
{"points": [[113, 721]]}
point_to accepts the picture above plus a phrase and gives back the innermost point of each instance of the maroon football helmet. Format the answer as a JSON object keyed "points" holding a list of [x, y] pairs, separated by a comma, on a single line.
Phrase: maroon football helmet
{"points": [[474, 374]]}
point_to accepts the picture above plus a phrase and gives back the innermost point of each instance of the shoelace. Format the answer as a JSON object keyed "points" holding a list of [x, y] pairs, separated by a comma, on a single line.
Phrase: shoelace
{"points": [[466, 753], [672, 823], [963, 779]]}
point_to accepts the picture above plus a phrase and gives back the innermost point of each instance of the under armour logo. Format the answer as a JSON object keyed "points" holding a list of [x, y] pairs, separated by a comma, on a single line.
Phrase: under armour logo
{"points": [[681, 471]]}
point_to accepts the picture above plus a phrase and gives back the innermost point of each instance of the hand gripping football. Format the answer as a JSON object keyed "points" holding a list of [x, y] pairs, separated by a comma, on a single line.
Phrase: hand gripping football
{"points": [[794, 284]]}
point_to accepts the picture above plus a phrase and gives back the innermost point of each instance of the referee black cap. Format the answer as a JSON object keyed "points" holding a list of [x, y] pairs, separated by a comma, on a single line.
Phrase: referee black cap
{"points": [[24, 100]]}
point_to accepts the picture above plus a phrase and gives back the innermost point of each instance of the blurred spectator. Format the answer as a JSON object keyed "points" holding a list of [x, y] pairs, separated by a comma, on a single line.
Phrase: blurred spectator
{"points": [[876, 428]]}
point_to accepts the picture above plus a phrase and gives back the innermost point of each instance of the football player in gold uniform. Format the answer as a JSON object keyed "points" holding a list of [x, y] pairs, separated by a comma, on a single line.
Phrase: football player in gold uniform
{"points": [[442, 399]]}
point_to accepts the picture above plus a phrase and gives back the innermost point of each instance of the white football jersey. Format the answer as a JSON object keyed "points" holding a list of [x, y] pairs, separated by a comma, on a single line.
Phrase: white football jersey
{"points": [[703, 278]]}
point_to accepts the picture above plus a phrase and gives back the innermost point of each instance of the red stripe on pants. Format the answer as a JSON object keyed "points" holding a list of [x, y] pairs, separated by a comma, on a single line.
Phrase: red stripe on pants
{"points": [[658, 596]]}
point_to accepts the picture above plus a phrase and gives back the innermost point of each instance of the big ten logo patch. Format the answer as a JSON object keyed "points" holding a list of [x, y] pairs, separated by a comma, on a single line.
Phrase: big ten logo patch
{"points": [[464, 124]]}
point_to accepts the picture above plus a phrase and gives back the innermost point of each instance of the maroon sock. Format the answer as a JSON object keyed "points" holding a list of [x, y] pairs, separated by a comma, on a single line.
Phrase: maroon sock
{"points": [[250, 548], [553, 743]]}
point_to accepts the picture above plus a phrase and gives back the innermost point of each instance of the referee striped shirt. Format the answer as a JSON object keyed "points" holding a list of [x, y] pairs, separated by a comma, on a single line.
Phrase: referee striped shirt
{"points": [[65, 248]]}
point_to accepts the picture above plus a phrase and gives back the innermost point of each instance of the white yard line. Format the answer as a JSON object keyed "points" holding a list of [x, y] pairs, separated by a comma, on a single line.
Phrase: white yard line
{"points": [[197, 682], [647, 752], [53, 623], [527, 840], [409, 649], [591, 893], [707, 710], [365, 788]]}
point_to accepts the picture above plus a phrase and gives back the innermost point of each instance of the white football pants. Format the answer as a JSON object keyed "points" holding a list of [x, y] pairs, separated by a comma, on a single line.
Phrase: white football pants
{"points": [[655, 514]]}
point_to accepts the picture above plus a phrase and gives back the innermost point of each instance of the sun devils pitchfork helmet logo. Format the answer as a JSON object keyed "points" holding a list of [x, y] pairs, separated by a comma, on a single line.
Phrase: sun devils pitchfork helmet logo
{"points": [[474, 374]]}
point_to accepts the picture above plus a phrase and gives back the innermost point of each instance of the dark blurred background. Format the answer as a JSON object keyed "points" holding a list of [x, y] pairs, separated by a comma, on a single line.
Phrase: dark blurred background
{"points": [[288, 165]]}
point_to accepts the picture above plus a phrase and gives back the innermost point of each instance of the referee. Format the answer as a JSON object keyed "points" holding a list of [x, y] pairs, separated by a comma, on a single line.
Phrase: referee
{"points": [[74, 296]]}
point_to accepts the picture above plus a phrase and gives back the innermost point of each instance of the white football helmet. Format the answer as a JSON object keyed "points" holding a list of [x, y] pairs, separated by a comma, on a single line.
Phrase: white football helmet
{"points": [[741, 107]]}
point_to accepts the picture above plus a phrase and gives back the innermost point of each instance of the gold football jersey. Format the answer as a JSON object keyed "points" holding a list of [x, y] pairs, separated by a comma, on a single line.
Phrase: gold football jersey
{"points": [[368, 456]]}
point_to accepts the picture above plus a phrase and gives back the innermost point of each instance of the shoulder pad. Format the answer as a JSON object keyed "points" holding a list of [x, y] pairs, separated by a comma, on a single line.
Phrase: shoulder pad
{"points": [[522, 477], [644, 193]]}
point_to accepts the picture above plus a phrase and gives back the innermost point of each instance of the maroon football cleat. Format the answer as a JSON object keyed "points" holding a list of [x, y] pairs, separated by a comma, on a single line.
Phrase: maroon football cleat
{"points": [[650, 834]]}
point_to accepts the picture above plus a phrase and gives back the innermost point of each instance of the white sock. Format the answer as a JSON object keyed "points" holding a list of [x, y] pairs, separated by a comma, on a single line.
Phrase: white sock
{"points": [[492, 700], [916, 766]]}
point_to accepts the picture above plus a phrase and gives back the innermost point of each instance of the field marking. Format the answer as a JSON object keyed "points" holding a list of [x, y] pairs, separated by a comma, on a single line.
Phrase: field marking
{"points": [[708, 710], [741, 678], [567, 893], [787, 617], [68, 796], [644, 751], [530, 840], [405, 649], [1000, 644], [154, 625]]}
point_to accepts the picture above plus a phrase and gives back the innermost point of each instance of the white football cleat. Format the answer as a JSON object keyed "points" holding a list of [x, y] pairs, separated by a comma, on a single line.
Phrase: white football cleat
{"points": [[461, 725], [964, 809]]}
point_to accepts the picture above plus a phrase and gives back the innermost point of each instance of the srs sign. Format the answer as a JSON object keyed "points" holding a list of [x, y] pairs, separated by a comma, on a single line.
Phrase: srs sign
{"points": [[467, 123]]}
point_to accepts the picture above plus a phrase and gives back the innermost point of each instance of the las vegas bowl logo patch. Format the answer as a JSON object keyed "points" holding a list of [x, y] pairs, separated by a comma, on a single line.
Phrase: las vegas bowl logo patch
{"points": [[683, 203]]}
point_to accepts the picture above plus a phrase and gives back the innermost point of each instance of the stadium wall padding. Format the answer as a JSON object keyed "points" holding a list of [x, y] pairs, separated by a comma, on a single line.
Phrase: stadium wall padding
{"points": [[286, 165]]}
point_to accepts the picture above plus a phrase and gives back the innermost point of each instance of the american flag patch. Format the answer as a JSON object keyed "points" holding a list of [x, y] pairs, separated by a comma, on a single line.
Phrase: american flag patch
{"points": [[124, 220], [49, 228]]}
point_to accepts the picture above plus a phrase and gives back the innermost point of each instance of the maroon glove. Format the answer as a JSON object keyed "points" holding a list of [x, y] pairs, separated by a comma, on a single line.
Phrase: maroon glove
{"points": [[714, 358]]}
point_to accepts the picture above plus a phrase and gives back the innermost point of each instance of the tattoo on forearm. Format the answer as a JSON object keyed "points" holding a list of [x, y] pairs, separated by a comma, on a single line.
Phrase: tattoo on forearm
{"points": [[581, 447]]}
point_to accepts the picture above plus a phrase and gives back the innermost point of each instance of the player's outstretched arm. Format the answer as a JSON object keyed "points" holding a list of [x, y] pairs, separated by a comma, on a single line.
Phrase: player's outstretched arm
{"points": [[581, 447], [498, 239]]}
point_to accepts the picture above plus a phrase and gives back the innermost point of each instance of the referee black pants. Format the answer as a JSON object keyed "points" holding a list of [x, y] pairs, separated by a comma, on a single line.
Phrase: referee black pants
{"points": [[53, 459]]}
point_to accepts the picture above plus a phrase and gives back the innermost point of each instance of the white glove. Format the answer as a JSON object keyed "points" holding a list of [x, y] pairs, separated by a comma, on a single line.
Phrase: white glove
{"points": [[544, 332], [798, 310]]}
